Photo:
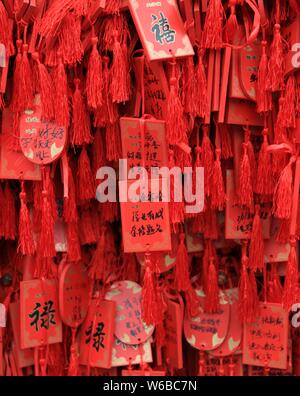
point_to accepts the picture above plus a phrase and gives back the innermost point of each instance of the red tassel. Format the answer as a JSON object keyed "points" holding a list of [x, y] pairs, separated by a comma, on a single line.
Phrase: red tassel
{"points": [[113, 144], [176, 209], [9, 214], [113, 6], [74, 251], [86, 179], [232, 23], [70, 45], [73, 363], [175, 121], [256, 248], [81, 129], [109, 212], [275, 289], [245, 190], [213, 26], [98, 152], [276, 66], [282, 199], [289, 108], [119, 73], [26, 80], [218, 196], [192, 301], [207, 160], [225, 141], [94, 80], [182, 279], [4, 23], [61, 102], [16, 102], [70, 208], [283, 233], [265, 182], [26, 244], [263, 95], [149, 301], [211, 228], [201, 87], [290, 289], [212, 290], [46, 242], [86, 228], [190, 91], [246, 294], [45, 89], [98, 264]]}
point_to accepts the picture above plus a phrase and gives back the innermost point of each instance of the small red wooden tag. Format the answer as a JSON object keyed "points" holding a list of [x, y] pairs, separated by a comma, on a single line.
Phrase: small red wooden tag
{"points": [[97, 334], [42, 142], [160, 29], [39, 312], [129, 327], [73, 294], [266, 339]]}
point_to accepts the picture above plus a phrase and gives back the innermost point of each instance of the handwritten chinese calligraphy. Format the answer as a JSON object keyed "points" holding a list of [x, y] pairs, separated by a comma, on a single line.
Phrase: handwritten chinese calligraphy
{"points": [[98, 336], [44, 318]]}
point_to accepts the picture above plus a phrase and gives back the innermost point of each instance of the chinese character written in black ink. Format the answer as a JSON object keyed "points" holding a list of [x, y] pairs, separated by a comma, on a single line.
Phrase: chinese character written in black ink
{"points": [[46, 317], [162, 31]]}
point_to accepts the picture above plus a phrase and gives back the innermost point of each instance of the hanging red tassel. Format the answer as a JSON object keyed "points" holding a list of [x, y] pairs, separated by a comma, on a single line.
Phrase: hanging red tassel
{"points": [[9, 214], [207, 160], [69, 39], [46, 241], [232, 23], [211, 225], [245, 187], [45, 89], [113, 6], [176, 209], [98, 152], [213, 26], [26, 244], [73, 362], [70, 208], [113, 144], [246, 298], [192, 301], [17, 99], [98, 264], [190, 90], [289, 107], [212, 289], [263, 95], [276, 65], [182, 279], [94, 79], [26, 81], [265, 182], [73, 243], [150, 307], [218, 196], [256, 248], [175, 121], [282, 199], [61, 102], [87, 235], [119, 73], [4, 23], [290, 289], [81, 128], [225, 141], [201, 100], [86, 179]]}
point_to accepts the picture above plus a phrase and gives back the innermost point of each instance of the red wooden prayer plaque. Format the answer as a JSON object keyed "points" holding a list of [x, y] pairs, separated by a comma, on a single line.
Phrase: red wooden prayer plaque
{"points": [[145, 224], [39, 312], [13, 164], [207, 331], [73, 294], [97, 334], [160, 29], [266, 339], [42, 142], [144, 145], [129, 327], [173, 344]]}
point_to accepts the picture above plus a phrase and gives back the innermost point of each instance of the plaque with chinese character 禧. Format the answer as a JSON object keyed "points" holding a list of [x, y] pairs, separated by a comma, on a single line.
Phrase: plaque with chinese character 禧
{"points": [[129, 327], [39, 312], [42, 142], [145, 147], [266, 339], [97, 334], [146, 223], [160, 29]]}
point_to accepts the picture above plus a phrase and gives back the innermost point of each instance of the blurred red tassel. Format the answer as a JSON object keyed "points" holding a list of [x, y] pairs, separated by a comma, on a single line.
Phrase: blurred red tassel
{"points": [[231, 23], [290, 288], [265, 182], [46, 241], [282, 199], [94, 79], [218, 196], [26, 244], [86, 228], [4, 23], [212, 289], [213, 26], [256, 248], [113, 144], [246, 294], [70, 208], [245, 187], [69, 38], [176, 209], [61, 102], [97, 268], [263, 95], [9, 214], [149, 301], [276, 65], [81, 128], [225, 141], [182, 276], [207, 160], [74, 251], [86, 179], [113, 6], [98, 152]]}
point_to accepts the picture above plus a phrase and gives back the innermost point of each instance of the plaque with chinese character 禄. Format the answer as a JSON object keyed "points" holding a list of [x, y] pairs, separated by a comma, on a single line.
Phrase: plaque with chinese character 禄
{"points": [[39, 313], [97, 334], [160, 29], [42, 142], [266, 339]]}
